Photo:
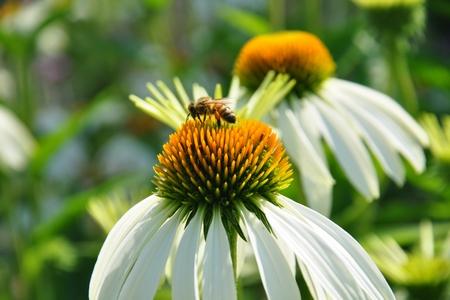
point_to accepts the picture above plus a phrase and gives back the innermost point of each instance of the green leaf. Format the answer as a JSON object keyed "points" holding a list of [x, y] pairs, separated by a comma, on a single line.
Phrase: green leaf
{"points": [[245, 21], [51, 143]]}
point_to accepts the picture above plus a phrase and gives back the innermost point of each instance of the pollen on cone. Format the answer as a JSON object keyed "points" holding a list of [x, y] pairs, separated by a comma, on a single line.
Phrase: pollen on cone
{"points": [[299, 54], [207, 164]]}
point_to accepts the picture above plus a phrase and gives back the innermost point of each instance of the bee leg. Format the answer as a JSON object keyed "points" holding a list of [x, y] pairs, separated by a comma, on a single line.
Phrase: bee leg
{"points": [[216, 114], [187, 117]]}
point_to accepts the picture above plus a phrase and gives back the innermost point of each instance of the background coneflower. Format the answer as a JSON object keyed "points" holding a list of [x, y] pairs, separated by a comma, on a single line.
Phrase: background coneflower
{"points": [[424, 271], [349, 117]]}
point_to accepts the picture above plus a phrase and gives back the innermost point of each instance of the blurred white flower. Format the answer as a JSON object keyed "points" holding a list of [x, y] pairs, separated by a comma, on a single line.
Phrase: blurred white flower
{"points": [[7, 85], [25, 18], [204, 205], [17, 144], [425, 269], [350, 118]]}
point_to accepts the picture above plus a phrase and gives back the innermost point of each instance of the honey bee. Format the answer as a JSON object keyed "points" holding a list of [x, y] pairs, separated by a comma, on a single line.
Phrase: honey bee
{"points": [[207, 106]]}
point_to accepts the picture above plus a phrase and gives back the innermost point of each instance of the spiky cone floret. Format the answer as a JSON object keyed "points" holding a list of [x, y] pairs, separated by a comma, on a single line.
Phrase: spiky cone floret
{"points": [[213, 183], [353, 120], [204, 165]]}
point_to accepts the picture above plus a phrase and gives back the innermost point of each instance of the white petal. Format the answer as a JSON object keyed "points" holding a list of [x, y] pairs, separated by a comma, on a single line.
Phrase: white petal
{"points": [[276, 276], [235, 91], [342, 240], [144, 277], [317, 292], [243, 251], [311, 123], [373, 134], [198, 91], [123, 245], [394, 133], [319, 196], [185, 281], [288, 255], [349, 150], [17, 144], [298, 237], [218, 278], [115, 237], [404, 143], [384, 103], [316, 178]]}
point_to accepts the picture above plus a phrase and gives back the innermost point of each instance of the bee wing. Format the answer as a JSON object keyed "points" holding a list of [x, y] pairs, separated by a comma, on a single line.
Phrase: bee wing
{"points": [[224, 101]]}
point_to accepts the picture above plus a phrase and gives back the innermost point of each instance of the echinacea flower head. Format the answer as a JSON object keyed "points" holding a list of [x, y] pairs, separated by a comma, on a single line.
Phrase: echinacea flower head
{"points": [[394, 18], [424, 271], [217, 189], [353, 120], [300, 54], [224, 167], [439, 134]]}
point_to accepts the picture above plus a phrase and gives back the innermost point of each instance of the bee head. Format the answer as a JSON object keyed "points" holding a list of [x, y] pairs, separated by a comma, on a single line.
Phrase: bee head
{"points": [[191, 109]]}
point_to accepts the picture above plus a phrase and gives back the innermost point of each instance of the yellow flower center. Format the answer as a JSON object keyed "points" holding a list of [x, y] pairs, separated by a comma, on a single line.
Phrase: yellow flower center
{"points": [[299, 54], [208, 165]]}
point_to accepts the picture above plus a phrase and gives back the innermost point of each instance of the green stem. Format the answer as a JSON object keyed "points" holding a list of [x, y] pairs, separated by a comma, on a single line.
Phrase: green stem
{"points": [[400, 77], [277, 14], [23, 86], [312, 15]]}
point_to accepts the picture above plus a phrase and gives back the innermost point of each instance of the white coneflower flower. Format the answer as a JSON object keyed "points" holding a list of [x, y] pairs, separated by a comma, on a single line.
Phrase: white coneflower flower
{"points": [[16, 142], [352, 119], [217, 185]]}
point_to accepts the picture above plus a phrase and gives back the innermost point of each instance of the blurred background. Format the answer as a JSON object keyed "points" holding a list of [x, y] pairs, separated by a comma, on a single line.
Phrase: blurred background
{"points": [[75, 153]]}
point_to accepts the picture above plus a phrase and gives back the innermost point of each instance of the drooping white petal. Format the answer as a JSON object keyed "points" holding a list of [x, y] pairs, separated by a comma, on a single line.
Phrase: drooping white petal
{"points": [[373, 134], [404, 143], [123, 245], [218, 278], [276, 276], [244, 250], [323, 271], [317, 292], [115, 237], [311, 123], [173, 252], [393, 132], [341, 240], [144, 277], [289, 256], [316, 178], [384, 103], [349, 150], [184, 279]]}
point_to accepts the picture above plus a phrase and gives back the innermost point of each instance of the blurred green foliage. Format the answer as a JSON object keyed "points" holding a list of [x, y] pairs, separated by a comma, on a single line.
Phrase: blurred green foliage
{"points": [[67, 67]]}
